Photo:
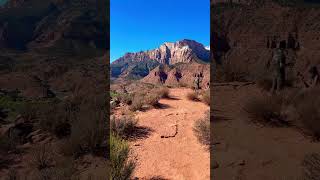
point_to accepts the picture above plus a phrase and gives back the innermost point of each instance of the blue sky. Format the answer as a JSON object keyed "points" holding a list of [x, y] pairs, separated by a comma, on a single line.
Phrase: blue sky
{"points": [[145, 24]]}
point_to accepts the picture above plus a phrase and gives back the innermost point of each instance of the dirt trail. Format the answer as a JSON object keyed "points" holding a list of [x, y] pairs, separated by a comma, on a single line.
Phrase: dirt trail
{"points": [[245, 151], [171, 150]]}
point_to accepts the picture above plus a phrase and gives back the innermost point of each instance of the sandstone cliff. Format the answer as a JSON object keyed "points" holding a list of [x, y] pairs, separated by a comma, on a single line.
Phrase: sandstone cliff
{"points": [[184, 51]]}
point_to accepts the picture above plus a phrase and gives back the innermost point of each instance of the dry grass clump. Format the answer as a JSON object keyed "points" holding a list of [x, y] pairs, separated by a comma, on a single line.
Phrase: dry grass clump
{"points": [[42, 156], [124, 126], [311, 166], [193, 96], [121, 165], [163, 92], [88, 129], [202, 129], [152, 99], [206, 96], [307, 107], [137, 102], [266, 110]]}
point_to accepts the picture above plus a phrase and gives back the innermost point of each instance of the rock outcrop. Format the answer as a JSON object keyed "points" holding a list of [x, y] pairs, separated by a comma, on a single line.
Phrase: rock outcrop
{"points": [[184, 51]]}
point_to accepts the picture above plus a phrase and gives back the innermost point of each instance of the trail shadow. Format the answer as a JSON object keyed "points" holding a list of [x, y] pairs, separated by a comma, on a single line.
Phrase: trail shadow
{"points": [[162, 106], [172, 98], [140, 132]]}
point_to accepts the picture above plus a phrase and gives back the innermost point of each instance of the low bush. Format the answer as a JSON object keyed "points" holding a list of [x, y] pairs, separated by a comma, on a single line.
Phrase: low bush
{"points": [[266, 110], [307, 106], [202, 129], [193, 96], [152, 98], [121, 165], [42, 156], [206, 96], [311, 166], [163, 92], [137, 102], [123, 126]]}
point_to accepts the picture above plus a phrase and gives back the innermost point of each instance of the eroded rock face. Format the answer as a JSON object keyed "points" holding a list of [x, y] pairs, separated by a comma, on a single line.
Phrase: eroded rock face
{"points": [[170, 53], [184, 51]]}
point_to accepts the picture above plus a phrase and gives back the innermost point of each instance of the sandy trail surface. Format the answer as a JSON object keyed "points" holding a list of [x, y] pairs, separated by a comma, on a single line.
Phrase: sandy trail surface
{"points": [[170, 149], [246, 151]]}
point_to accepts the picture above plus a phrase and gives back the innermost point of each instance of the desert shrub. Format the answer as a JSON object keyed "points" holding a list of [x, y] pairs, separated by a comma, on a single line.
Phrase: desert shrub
{"points": [[64, 169], [121, 166], [193, 96], [137, 102], [88, 128], [56, 119], [181, 84], [163, 92], [202, 129], [42, 156], [123, 126], [311, 166], [307, 104], [266, 110], [126, 98], [206, 96], [152, 99]]}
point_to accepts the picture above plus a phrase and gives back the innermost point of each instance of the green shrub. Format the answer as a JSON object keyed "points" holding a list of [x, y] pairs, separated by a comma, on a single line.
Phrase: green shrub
{"points": [[122, 167]]}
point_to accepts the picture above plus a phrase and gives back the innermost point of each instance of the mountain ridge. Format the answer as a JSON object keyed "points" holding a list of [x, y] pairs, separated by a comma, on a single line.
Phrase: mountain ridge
{"points": [[169, 53]]}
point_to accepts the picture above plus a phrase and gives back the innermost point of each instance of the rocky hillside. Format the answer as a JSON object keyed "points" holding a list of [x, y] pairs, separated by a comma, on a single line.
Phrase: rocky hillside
{"points": [[181, 74], [242, 42], [57, 26], [184, 51]]}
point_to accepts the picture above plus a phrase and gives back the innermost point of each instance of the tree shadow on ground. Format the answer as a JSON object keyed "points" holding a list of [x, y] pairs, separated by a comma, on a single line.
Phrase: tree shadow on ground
{"points": [[172, 98], [140, 132], [162, 106]]}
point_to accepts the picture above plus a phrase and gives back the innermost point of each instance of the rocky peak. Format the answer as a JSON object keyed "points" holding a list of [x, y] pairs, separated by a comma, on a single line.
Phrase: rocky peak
{"points": [[170, 53]]}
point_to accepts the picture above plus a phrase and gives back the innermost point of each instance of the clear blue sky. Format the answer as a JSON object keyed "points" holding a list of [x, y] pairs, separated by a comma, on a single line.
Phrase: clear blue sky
{"points": [[145, 24]]}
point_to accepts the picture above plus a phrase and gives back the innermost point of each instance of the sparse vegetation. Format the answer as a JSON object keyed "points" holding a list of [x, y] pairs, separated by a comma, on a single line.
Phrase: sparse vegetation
{"points": [[137, 102], [164, 92], [123, 126], [121, 166], [266, 110], [42, 156], [307, 104], [311, 166], [206, 96], [152, 99], [202, 129], [193, 96]]}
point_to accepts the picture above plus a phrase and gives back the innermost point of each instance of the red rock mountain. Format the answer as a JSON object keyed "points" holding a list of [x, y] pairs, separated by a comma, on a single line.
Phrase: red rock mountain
{"points": [[184, 51]]}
